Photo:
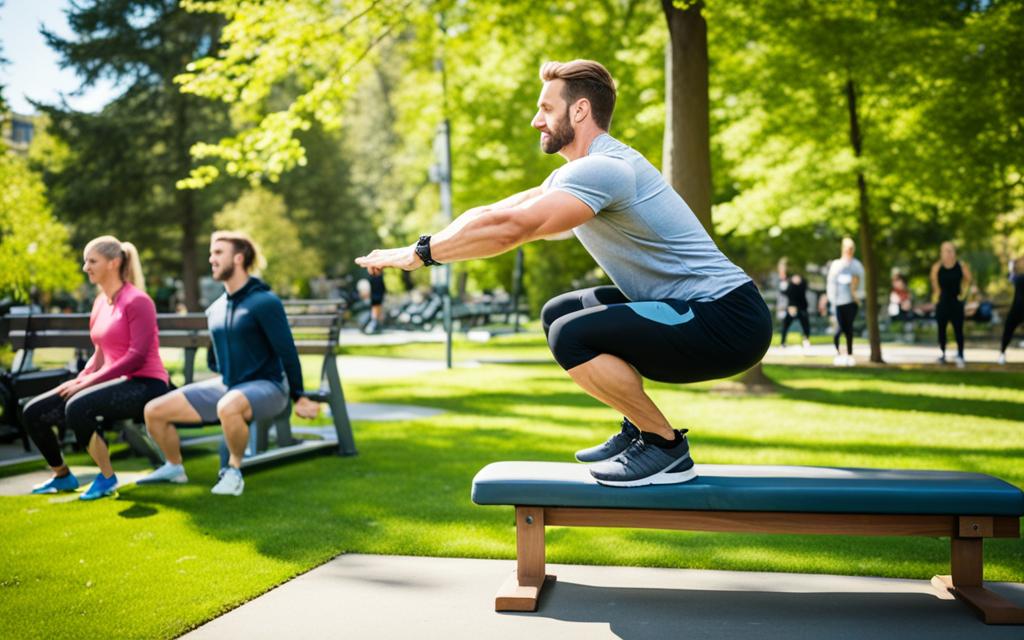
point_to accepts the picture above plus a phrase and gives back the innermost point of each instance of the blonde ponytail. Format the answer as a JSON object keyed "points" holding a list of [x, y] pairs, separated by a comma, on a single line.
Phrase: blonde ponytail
{"points": [[131, 266]]}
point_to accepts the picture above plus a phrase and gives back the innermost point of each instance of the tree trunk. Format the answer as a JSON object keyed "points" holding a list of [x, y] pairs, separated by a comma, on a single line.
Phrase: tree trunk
{"points": [[686, 159], [186, 206], [866, 234]]}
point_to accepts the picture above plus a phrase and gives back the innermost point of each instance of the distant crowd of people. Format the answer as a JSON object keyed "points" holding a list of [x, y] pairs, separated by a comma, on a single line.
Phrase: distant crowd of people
{"points": [[952, 284]]}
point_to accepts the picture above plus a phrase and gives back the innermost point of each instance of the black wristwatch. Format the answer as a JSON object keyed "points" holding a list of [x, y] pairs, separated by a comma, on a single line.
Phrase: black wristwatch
{"points": [[423, 251]]}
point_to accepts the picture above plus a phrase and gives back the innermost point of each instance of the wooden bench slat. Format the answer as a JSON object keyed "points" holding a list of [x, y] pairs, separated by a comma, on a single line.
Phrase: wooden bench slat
{"points": [[49, 321]]}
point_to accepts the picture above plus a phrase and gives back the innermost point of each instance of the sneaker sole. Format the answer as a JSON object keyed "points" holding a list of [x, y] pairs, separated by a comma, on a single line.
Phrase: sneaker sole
{"points": [[176, 480], [578, 459], [228, 493], [665, 476], [107, 494]]}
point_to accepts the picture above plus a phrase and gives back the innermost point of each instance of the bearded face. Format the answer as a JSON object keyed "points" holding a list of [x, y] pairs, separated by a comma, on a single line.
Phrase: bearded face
{"points": [[562, 134]]}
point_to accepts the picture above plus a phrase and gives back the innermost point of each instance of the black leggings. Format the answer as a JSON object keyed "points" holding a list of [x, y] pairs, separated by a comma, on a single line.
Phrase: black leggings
{"points": [[845, 314], [951, 311], [667, 340], [86, 412], [1013, 319], [805, 323]]}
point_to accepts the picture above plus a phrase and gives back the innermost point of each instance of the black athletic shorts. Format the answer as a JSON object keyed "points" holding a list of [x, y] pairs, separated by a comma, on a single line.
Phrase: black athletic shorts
{"points": [[664, 340]]}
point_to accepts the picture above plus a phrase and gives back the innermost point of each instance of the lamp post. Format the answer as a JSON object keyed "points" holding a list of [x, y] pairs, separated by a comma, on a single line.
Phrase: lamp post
{"points": [[442, 174]]}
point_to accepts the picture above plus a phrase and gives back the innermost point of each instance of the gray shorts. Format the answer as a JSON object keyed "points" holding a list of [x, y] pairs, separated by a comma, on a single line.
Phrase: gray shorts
{"points": [[266, 398]]}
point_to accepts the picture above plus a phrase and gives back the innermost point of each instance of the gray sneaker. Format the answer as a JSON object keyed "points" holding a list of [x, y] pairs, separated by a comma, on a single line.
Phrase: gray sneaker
{"points": [[230, 484], [166, 473], [643, 464], [611, 447]]}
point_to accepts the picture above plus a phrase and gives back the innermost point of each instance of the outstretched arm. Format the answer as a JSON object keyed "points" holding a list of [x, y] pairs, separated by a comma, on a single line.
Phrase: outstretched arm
{"points": [[488, 233]]}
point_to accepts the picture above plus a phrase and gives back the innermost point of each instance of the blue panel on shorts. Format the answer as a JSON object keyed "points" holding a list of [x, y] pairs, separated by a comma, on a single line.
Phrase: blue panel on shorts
{"points": [[660, 312]]}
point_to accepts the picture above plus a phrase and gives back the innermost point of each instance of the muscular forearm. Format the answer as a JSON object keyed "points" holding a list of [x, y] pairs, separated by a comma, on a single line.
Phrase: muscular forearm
{"points": [[519, 200], [486, 233]]}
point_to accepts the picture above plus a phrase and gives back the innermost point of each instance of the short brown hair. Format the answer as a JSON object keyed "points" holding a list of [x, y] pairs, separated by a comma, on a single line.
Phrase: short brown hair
{"points": [[242, 244], [585, 79]]}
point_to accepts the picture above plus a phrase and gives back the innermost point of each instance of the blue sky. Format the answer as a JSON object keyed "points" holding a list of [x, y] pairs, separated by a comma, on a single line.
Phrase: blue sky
{"points": [[32, 70]]}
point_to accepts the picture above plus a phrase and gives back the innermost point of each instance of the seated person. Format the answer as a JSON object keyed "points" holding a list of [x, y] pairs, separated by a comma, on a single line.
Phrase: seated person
{"points": [[252, 349], [901, 305], [123, 374]]}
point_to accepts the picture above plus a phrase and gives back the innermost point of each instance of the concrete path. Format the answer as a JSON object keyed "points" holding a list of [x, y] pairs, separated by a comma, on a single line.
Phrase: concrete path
{"points": [[360, 596], [894, 353]]}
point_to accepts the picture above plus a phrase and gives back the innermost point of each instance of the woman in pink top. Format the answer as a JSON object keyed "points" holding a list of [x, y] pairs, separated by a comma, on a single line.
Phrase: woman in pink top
{"points": [[124, 373]]}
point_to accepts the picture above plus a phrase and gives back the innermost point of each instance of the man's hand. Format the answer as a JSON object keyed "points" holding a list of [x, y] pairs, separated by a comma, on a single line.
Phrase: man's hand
{"points": [[404, 258], [306, 408]]}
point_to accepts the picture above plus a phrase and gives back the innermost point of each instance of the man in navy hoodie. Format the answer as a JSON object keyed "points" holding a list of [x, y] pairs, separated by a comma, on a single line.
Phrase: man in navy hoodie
{"points": [[255, 355]]}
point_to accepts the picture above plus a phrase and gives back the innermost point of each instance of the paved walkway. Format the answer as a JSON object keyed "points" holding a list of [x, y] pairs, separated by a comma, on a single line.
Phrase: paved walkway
{"points": [[361, 596], [894, 353]]}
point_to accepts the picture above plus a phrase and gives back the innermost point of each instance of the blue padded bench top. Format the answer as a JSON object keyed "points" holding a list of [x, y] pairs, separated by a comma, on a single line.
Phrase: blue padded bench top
{"points": [[756, 488]]}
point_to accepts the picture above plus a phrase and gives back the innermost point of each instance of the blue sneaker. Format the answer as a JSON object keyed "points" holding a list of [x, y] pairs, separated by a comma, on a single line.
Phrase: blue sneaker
{"points": [[643, 464], [56, 485], [611, 447], [100, 488]]}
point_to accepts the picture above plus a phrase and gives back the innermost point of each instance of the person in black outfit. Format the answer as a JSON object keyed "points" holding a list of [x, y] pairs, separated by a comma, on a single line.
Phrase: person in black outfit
{"points": [[794, 287], [1016, 314], [377, 292], [950, 281]]}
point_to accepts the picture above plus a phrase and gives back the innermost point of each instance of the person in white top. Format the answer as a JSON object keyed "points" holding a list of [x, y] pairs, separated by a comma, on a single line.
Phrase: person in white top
{"points": [[843, 288]]}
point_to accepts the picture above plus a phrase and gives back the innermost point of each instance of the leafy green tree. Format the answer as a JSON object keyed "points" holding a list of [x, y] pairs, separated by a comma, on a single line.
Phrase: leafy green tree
{"points": [[34, 249], [263, 215], [123, 163], [826, 117], [322, 201], [381, 57]]}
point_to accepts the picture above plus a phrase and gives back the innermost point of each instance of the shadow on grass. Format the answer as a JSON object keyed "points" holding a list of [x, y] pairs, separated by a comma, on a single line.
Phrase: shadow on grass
{"points": [[951, 377], [866, 399]]}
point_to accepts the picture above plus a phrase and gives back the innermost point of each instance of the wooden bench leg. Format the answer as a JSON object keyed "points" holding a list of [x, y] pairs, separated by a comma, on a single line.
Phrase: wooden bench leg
{"points": [[966, 565], [522, 589]]}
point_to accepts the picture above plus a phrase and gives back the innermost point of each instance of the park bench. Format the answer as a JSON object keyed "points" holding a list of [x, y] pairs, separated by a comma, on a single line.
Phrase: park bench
{"points": [[315, 326], [965, 507], [475, 314]]}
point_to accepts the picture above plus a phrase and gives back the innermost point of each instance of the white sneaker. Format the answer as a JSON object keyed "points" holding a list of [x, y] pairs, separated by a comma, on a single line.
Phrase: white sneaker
{"points": [[230, 484], [167, 473], [960, 364], [942, 359], [850, 361], [806, 343], [839, 361], [1002, 358]]}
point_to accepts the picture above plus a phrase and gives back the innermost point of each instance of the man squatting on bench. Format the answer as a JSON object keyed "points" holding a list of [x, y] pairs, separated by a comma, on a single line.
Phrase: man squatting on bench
{"points": [[680, 311], [251, 344]]}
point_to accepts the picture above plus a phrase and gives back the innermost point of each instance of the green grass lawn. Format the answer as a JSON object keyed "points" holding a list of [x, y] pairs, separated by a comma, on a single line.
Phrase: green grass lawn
{"points": [[158, 561]]}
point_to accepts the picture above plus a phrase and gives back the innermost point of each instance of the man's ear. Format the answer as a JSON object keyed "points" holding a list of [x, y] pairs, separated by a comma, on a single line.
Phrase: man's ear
{"points": [[581, 110]]}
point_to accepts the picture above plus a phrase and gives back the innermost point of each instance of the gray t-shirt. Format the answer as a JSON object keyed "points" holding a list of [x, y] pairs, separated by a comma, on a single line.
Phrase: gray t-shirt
{"points": [[840, 277], [642, 234]]}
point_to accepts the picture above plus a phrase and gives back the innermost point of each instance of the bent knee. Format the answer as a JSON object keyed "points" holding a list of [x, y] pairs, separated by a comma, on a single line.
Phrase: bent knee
{"points": [[156, 409], [231, 405]]}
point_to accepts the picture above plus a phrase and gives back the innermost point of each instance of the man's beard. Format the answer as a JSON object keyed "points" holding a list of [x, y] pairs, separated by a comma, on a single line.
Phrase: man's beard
{"points": [[225, 273], [562, 135]]}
